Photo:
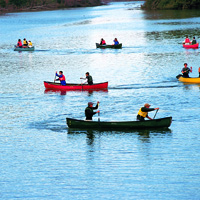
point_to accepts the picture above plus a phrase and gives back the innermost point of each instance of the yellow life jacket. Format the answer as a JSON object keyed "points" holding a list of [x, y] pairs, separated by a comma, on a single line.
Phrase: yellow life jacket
{"points": [[24, 42], [143, 114], [30, 44]]}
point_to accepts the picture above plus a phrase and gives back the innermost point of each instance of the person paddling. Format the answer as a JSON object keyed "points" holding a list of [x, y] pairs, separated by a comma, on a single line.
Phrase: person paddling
{"points": [[143, 112], [199, 72], [30, 44], [194, 41], [61, 78], [186, 70], [187, 40], [19, 43], [25, 43], [88, 79], [89, 110], [103, 42], [116, 42]]}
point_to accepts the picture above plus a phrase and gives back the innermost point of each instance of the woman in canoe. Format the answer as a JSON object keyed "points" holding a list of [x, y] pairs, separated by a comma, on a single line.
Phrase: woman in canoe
{"points": [[116, 42], [88, 79], [61, 78], [19, 43], [103, 42], [186, 70], [143, 112], [89, 110]]}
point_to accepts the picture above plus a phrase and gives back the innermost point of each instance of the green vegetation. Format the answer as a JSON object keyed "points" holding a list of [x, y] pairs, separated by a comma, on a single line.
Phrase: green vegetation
{"points": [[15, 5], [171, 4]]}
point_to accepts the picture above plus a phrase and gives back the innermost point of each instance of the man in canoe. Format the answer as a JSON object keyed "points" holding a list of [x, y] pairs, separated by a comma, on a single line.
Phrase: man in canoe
{"points": [[25, 43], [89, 110], [186, 70], [194, 40], [88, 79], [19, 43], [116, 42], [143, 112], [61, 78]]}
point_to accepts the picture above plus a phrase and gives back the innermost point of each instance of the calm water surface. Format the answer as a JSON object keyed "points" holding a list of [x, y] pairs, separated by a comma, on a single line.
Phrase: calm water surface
{"points": [[42, 159]]}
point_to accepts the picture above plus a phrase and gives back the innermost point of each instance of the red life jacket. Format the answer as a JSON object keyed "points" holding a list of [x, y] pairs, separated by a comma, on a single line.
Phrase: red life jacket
{"points": [[62, 78], [187, 40], [19, 44]]}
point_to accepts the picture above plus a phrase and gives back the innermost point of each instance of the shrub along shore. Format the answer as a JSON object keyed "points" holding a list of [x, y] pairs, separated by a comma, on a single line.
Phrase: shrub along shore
{"points": [[171, 4]]}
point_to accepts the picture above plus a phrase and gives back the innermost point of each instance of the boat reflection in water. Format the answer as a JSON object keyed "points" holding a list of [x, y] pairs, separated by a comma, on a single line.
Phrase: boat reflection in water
{"points": [[64, 92], [143, 135]]}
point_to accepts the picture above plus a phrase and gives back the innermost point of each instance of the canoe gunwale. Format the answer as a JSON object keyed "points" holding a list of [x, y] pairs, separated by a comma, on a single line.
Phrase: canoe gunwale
{"points": [[194, 46]]}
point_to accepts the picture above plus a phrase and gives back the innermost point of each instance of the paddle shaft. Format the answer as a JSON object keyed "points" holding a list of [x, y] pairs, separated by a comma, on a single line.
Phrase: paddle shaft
{"points": [[155, 114], [55, 78]]}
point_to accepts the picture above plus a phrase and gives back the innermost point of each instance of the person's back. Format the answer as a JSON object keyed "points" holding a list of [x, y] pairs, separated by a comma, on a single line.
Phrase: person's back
{"points": [[19, 43], [116, 42], [25, 43], [187, 40], [90, 80], [194, 41]]}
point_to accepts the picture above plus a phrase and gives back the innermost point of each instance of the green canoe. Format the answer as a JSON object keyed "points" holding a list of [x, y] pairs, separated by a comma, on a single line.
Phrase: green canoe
{"points": [[24, 49], [147, 124], [118, 46]]}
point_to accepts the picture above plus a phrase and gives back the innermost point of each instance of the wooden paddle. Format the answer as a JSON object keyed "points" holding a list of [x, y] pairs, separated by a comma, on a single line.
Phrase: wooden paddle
{"points": [[155, 114]]}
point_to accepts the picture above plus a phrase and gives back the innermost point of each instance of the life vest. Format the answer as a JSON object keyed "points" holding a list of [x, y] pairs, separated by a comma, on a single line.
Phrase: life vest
{"points": [[142, 114], [19, 44], [62, 78], [25, 42], [187, 40], [103, 42]]}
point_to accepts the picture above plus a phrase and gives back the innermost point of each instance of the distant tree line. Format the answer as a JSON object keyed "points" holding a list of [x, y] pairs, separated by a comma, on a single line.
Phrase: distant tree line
{"points": [[55, 3], [171, 4]]}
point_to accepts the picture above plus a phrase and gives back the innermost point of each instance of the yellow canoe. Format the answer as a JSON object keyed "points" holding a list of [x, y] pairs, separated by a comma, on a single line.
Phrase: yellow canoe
{"points": [[189, 80]]}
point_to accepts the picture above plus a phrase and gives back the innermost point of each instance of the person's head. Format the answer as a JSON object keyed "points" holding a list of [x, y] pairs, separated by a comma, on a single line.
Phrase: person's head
{"points": [[194, 38], [90, 104], [87, 73], [19, 40], [147, 105], [186, 36], [24, 38], [60, 72], [185, 64], [115, 39]]}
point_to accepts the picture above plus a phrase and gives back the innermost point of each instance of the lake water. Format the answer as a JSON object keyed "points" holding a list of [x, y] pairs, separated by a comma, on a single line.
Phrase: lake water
{"points": [[42, 159]]}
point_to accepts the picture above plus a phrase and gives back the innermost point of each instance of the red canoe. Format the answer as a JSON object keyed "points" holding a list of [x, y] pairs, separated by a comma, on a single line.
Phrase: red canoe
{"points": [[191, 45], [74, 86]]}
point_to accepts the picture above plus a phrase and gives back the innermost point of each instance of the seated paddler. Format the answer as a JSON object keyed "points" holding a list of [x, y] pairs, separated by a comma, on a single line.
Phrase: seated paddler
{"points": [[88, 79], [186, 70], [143, 112], [116, 42], [61, 78], [89, 111]]}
